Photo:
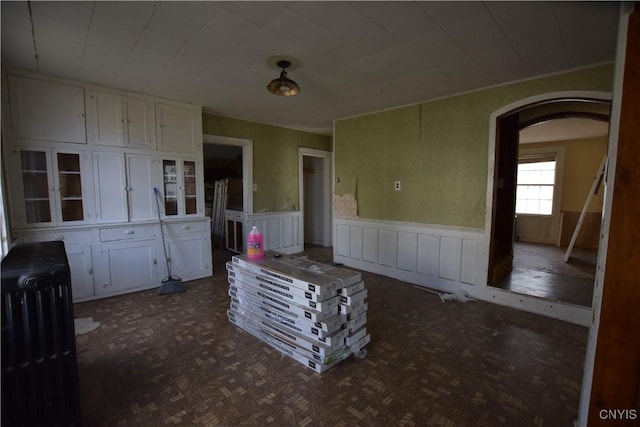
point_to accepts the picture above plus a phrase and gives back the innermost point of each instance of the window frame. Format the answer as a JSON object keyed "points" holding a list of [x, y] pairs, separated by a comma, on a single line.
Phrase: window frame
{"points": [[545, 154]]}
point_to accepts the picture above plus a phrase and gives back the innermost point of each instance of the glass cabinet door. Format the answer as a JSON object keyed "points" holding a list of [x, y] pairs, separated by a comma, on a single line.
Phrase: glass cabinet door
{"points": [[35, 181], [190, 197], [70, 186], [170, 177]]}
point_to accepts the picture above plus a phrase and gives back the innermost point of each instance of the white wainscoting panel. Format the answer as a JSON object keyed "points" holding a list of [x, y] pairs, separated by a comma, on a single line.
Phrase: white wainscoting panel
{"points": [[407, 250], [444, 258], [428, 256], [447, 259], [370, 244], [281, 230]]}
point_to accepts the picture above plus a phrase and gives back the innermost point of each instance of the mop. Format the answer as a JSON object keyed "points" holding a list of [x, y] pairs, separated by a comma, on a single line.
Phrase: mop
{"points": [[170, 284]]}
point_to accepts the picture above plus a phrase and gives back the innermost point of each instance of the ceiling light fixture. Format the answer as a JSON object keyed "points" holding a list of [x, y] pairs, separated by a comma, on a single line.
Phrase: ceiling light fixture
{"points": [[283, 85]]}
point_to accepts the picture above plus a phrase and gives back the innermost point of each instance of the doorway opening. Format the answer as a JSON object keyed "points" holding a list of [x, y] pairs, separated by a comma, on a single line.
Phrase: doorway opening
{"points": [[314, 178], [546, 157], [228, 184]]}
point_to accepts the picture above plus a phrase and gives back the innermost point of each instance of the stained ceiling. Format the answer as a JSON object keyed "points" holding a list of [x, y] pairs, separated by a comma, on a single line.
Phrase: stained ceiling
{"points": [[349, 58]]}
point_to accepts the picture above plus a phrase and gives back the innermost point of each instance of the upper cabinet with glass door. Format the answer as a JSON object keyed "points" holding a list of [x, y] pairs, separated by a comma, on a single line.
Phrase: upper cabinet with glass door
{"points": [[47, 111], [181, 193], [52, 187], [120, 121]]}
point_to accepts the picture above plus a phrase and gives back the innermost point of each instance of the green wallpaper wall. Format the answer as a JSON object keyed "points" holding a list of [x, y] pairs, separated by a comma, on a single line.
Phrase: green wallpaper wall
{"points": [[275, 158], [438, 150]]}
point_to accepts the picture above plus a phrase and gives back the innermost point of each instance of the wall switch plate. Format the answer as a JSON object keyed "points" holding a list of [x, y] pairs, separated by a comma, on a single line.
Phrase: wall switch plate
{"points": [[255, 187], [396, 185]]}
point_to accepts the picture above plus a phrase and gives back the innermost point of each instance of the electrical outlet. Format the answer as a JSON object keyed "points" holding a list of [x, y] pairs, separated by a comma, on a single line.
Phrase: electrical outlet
{"points": [[396, 185], [255, 187]]}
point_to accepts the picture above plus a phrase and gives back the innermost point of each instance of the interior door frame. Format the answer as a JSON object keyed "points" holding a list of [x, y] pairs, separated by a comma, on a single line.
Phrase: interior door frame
{"points": [[247, 165], [327, 191], [494, 146]]}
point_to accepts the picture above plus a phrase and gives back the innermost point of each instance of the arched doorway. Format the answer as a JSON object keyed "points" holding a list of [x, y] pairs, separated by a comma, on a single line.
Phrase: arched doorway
{"points": [[509, 122]]}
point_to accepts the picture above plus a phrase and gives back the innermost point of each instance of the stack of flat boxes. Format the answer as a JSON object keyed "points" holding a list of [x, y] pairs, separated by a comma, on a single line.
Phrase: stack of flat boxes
{"points": [[315, 313]]}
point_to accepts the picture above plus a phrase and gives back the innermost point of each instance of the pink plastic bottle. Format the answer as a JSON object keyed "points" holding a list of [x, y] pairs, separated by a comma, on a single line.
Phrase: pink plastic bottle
{"points": [[255, 244]]}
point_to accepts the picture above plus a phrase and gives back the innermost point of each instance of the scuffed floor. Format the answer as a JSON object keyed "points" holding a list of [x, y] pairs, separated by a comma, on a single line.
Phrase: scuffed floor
{"points": [[176, 360]]}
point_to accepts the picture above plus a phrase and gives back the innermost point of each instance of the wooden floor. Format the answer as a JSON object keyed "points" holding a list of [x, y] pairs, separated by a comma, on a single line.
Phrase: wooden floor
{"points": [[176, 360], [540, 271]]}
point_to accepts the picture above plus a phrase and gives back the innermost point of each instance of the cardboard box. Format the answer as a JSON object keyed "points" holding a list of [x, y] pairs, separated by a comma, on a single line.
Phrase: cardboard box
{"points": [[291, 309], [252, 308], [300, 272], [270, 334], [356, 336], [352, 289], [357, 323], [284, 296], [353, 299], [289, 290]]}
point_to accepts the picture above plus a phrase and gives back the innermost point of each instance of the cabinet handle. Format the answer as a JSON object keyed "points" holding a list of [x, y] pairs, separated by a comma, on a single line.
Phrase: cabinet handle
{"points": [[129, 232], [186, 227], [155, 261], [91, 271]]}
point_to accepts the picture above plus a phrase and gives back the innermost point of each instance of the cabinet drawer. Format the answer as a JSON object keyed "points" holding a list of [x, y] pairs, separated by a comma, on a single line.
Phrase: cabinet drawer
{"points": [[127, 233], [174, 229], [68, 237]]}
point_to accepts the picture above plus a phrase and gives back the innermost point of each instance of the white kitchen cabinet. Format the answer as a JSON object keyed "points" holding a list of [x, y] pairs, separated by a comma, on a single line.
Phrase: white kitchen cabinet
{"points": [[234, 235], [46, 110], [124, 186], [77, 245], [126, 260], [189, 249], [179, 128], [120, 121], [52, 187], [182, 190], [81, 266]]}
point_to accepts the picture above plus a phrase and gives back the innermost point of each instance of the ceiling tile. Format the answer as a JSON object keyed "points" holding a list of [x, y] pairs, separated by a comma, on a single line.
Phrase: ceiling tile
{"points": [[181, 19]]}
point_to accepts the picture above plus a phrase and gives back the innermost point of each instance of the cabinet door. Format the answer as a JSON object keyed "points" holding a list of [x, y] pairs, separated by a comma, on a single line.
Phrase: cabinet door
{"points": [[141, 178], [128, 265], [71, 190], [179, 128], [140, 123], [33, 197], [47, 111], [110, 187], [105, 119], [170, 187], [190, 256], [189, 187], [81, 267]]}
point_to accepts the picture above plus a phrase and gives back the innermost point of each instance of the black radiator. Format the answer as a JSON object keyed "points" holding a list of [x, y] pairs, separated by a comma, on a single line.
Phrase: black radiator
{"points": [[40, 384]]}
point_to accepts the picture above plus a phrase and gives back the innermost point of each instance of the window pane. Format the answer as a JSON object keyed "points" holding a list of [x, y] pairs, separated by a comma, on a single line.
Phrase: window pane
{"points": [[546, 192], [545, 207], [534, 194]]}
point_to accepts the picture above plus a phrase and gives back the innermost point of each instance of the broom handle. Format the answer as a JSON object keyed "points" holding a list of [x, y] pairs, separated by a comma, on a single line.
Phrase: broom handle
{"points": [[164, 245]]}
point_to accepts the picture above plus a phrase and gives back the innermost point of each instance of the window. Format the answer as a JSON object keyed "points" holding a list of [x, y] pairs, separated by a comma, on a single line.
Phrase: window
{"points": [[536, 180]]}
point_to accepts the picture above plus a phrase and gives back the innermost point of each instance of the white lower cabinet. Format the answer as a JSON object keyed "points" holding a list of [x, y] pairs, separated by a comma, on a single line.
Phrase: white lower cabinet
{"points": [[126, 266], [189, 250], [77, 245], [81, 266]]}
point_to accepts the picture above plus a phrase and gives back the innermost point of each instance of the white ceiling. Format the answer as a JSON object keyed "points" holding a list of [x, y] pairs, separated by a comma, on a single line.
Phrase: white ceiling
{"points": [[349, 58], [564, 130]]}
